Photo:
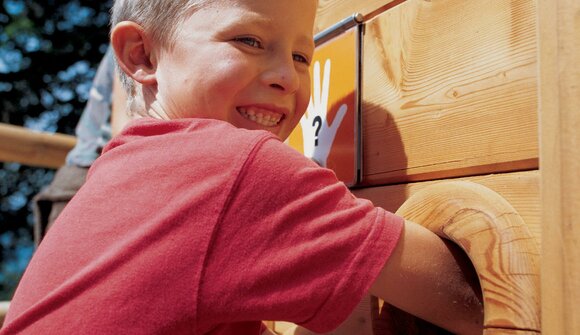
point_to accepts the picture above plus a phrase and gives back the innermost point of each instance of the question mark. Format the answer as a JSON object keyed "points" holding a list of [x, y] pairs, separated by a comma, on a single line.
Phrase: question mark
{"points": [[317, 120]]}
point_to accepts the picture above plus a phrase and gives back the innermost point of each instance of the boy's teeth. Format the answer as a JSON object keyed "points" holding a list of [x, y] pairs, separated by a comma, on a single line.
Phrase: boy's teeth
{"points": [[261, 116]]}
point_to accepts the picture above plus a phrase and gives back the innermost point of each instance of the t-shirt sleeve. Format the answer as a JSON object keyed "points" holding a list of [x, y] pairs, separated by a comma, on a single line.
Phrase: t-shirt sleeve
{"points": [[293, 244]]}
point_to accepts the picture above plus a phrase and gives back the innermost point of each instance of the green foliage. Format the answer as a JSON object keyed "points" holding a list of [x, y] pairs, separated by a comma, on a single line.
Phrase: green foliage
{"points": [[49, 51]]}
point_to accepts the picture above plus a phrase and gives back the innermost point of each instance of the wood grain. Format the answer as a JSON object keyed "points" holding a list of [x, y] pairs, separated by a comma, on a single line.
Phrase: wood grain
{"points": [[450, 89], [559, 22], [24, 146], [495, 238]]}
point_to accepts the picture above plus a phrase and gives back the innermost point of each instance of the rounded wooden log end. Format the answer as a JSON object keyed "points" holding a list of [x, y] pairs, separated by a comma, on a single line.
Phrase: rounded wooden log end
{"points": [[504, 253]]}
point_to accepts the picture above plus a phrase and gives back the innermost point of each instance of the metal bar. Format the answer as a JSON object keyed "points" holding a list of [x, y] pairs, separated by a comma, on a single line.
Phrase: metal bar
{"points": [[338, 28]]}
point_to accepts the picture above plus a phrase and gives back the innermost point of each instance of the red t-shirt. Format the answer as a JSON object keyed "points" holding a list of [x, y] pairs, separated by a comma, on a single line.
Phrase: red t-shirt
{"points": [[197, 227]]}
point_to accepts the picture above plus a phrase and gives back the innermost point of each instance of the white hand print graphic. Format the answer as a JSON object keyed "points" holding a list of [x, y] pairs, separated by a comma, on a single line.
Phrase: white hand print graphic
{"points": [[317, 133]]}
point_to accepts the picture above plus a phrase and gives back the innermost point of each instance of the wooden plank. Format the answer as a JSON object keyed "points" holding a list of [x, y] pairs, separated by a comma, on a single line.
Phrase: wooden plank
{"points": [[450, 89], [27, 147], [520, 189], [559, 22], [332, 11]]}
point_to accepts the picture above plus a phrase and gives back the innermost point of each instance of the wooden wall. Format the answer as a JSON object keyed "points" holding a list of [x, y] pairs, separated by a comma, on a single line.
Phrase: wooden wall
{"points": [[450, 91], [481, 91]]}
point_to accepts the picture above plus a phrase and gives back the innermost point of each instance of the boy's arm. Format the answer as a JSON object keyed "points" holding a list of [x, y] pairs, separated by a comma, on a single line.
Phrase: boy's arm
{"points": [[432, 279]]}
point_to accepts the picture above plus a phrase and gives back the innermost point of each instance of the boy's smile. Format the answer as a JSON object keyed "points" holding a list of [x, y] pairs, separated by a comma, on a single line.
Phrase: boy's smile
{"points": [[246, 64], [267, 116]]}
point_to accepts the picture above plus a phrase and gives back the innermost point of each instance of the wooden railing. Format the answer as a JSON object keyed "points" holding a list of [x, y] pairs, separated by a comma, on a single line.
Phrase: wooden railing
{"points": [[21, 145], [3, 310]]}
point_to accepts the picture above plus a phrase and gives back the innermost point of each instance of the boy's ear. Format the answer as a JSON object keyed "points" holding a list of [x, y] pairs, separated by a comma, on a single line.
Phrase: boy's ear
{"points": [[133, 51]]}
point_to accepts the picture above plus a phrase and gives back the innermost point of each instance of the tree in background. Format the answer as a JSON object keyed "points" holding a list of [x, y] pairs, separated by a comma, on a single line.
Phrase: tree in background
{"points": [[49, 52]]}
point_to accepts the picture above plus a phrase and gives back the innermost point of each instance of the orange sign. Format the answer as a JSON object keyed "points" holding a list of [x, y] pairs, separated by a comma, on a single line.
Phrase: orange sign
{"points": [[329, 131]]}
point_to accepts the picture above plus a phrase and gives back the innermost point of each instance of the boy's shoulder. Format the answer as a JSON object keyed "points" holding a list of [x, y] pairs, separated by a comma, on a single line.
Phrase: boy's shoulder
{"points": [[190, 136], [154, 127], [212, 132]]}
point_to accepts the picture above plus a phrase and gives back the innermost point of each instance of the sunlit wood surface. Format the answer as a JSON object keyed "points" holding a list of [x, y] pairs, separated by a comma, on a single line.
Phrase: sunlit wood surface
{"points": [[450, 89], [560, 164]]}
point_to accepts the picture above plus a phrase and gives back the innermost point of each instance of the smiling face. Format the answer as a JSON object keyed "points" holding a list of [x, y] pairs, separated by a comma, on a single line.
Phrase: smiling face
{"points": [[246, 63]]}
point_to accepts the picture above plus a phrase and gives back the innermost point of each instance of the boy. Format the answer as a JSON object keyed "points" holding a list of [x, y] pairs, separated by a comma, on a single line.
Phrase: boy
{"points": [[197, 219]]}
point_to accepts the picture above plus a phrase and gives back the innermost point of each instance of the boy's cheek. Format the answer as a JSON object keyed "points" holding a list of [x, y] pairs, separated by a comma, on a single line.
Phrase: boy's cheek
{"points": [[299, 115]]}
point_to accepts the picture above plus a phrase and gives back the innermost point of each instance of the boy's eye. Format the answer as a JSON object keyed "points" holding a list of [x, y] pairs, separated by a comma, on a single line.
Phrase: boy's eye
{"points": [[251, 41], [301, 59]]}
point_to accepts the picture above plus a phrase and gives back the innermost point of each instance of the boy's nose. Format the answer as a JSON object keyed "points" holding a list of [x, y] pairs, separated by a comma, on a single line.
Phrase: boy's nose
{"points": [[282, 75]]}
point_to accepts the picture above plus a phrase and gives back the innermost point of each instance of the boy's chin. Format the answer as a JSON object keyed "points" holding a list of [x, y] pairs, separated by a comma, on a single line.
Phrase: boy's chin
{"points": [[283, 136], [279, 132]]}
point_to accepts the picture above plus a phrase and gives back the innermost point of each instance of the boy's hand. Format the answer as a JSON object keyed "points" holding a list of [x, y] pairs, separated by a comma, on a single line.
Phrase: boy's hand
{"points": [[317, 133]]}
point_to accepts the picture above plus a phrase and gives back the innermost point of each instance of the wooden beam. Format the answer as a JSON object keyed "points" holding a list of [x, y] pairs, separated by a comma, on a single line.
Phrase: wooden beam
{"points": [[21, 145], [559, 23]]}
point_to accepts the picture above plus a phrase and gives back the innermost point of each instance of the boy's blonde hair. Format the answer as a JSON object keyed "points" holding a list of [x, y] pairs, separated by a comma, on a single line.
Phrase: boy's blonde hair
{"points": [[159, 18]]}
